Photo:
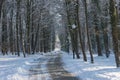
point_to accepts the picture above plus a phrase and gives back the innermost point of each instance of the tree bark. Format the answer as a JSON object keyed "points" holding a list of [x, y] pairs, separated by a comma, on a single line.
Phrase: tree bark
{"points": [[1, 3], [113, 15], [17, 26], [79, 29], [4, 31], [88, 36]]}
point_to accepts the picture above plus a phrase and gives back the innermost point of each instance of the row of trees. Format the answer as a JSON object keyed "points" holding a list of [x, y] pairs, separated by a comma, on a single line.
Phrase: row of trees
{"points": [[29, 26], [100, 24], [26, 26]]}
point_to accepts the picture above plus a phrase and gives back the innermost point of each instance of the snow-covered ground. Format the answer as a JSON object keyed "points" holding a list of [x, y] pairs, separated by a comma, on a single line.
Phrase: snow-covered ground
{"points": [[18, 68], [102, 69]]}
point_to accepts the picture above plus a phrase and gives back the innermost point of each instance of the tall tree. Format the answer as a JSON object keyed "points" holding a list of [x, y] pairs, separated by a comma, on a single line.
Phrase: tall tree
{"points": [[17, 26], [105, 29], [1, 3], [79, 29], [96, 24], [4, 30], [11, 39], [113, 15], [72, 25], [28, 25], [88, 36]]}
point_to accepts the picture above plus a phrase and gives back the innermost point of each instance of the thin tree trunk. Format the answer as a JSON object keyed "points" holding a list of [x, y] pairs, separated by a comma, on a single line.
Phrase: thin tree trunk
{"points": [[4, 32], [105, 37], [88, 36], [36, 38], [1, 3], [11, 45], [21, 37], [17, 27], [28, 27], [79, 29], [98, 41]]}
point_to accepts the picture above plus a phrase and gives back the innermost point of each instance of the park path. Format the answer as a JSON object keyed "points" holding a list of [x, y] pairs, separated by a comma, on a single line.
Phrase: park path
{"points": [[49, 67], [38, 70], [56, 70]]}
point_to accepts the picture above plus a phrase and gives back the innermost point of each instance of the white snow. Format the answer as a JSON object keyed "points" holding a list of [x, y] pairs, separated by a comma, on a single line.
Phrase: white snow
{"points": [[102, 69], [74, 26], [18, 68]]}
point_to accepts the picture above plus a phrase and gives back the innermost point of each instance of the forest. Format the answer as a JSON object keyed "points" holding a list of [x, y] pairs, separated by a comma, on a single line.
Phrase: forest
{"points": [[83, 28]]}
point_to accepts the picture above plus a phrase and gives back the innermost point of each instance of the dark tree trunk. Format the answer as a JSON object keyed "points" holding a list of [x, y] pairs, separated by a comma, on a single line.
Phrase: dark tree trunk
{"points": [[11, 39], [4, 32], [1, 3], [36, 38], [17, 26], [28, 27], [113, 15], [98, 41], [88, 36], [79, 29]]}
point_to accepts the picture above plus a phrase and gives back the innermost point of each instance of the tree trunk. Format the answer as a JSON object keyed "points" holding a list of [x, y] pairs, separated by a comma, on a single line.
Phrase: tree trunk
{"points": [[36, 38], [21, 36], [88, 36], [73, 32], [98, 41], [1, 3], [113, 15], [17, 26], [79, 29], [4, 31], [28, 27], [11, 39]]}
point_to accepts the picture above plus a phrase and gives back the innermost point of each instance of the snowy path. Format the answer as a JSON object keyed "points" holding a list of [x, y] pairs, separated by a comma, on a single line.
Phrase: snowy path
{"points": [[55, 66], [49, 68], [38, 67], [39, 70], [56, 70]]}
